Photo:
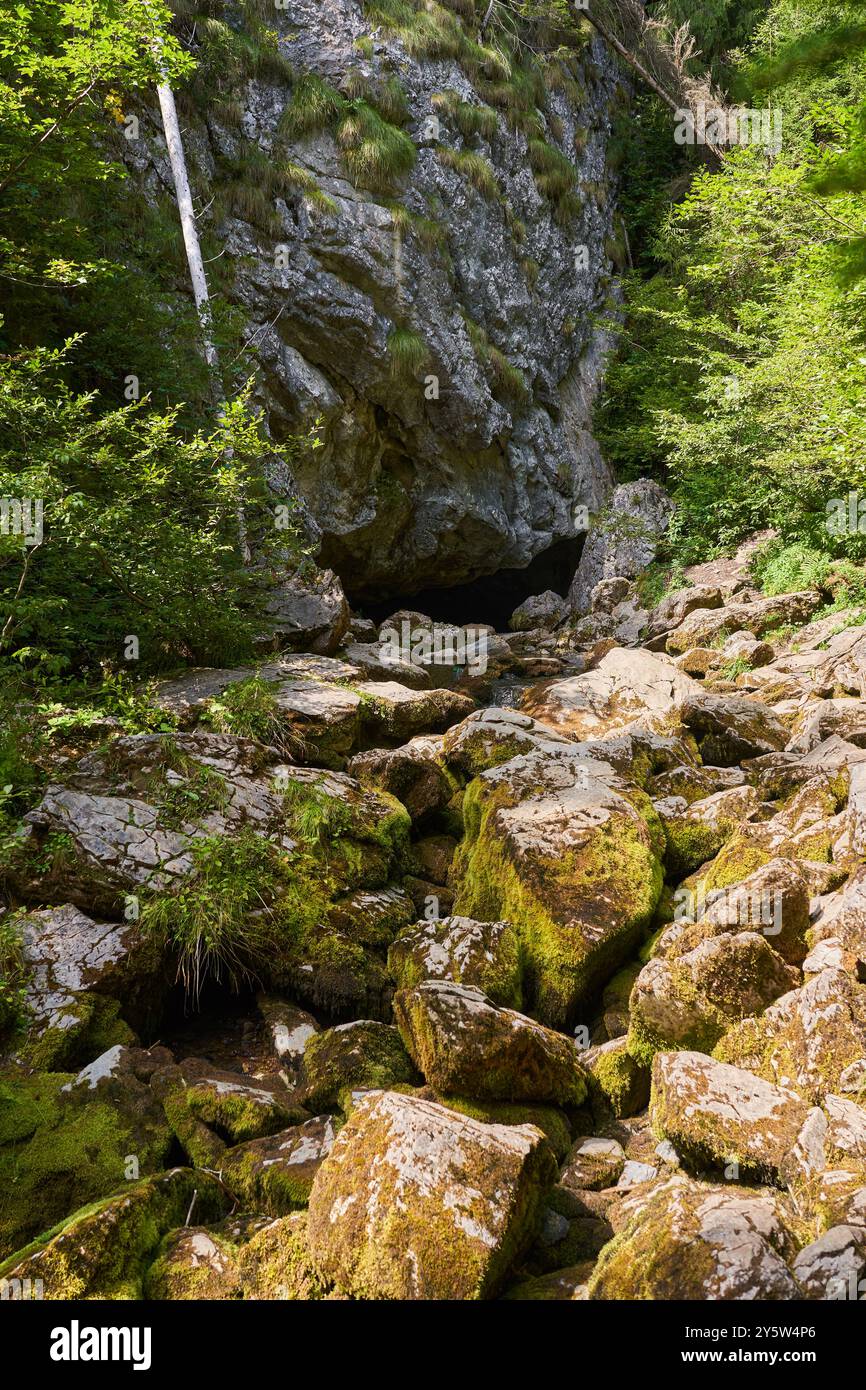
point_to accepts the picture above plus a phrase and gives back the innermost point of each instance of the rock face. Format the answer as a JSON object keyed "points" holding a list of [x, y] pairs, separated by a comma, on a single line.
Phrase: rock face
{"points": [[415, 1201], [626, 541], [461, 267]]}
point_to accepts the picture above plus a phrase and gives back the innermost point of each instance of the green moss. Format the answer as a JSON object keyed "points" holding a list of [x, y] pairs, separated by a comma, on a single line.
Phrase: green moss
{"points": [[690, 843], [612, 882], [622, 1081], [58, 1152], [103, 1250], [551, 1121], [360, 1055], [91, 1025], [276, 1263], [14, 975], [181, 1272]]}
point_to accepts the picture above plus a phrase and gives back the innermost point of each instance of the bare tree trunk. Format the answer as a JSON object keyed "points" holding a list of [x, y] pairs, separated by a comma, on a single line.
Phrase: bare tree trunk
{"points": [[174, 142]]}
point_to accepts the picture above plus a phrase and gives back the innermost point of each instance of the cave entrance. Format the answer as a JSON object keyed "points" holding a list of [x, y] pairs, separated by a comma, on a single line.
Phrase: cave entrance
{"points": [[491, 598]]}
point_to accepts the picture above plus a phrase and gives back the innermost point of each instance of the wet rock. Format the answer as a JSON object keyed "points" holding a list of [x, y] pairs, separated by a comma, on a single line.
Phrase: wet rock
{"points": [[417, 1202]]}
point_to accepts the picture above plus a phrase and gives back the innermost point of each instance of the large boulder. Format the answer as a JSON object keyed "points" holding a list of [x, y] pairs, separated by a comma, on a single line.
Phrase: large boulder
{"points": [[565, 849], [627, 689], [812, 1040], [624, 540], [485, 955], [80, 973], [721, 1117], [363, 1054], [103, 1250], [416, 1201], [465, 1045], [307, 612], [275, 1174], [687, 1240], [539, 611], [691, 1000], [67, 1140]]}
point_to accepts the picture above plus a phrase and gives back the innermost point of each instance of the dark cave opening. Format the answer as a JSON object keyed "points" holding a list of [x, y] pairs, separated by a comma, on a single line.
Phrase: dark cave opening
{"points": [[491, 598]]}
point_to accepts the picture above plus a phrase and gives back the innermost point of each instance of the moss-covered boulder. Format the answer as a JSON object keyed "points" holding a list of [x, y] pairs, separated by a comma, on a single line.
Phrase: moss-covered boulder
{"points": [[418, 1202], [812, 1040], [393, 711], [64, 1144], [194, 1263], [552, 1121], [697, 831], [80, 972], [561, 1286], [617, 1081], [465, 1045], [593, 1163], [691, 1000], [275, 1174], [730, 728], [485, 955], [569, 852], [688, 1240], [720, 1117], [104, 1250], [127, 816], [414, 773], [209, 1109], [493, 736], [289, 1028], [276, 1263], [773, 901], [353, 1056]]}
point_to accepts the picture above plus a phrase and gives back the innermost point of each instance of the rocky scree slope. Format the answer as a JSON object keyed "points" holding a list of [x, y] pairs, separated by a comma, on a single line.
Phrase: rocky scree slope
{"points": [[399, 202], [560, 1002]]}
